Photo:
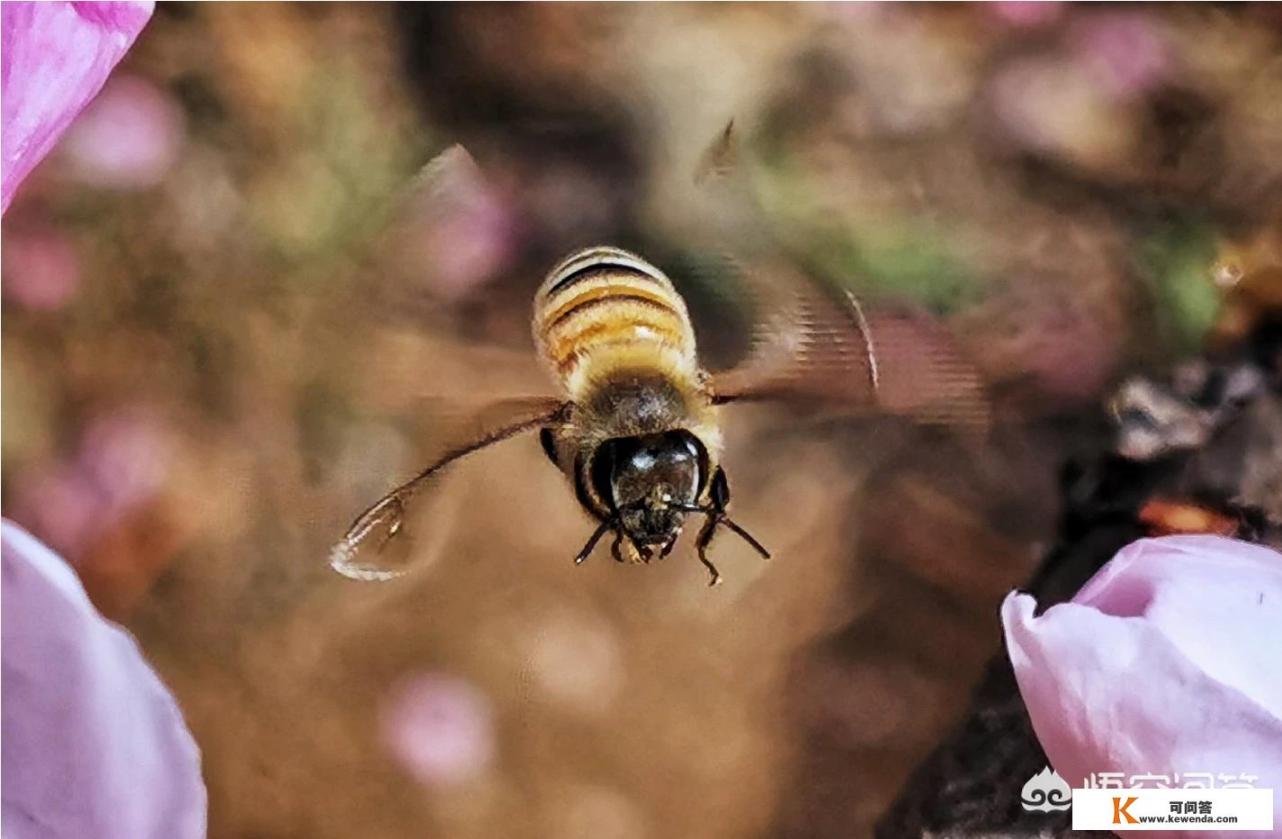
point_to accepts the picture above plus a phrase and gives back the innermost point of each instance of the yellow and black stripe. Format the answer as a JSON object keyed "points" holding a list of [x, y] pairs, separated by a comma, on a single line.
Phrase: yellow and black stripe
{"points": [[603, 309]]}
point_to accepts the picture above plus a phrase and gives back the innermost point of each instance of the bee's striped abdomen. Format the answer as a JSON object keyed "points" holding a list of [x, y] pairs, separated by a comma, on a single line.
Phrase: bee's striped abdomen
{"points": [[603, 309]]}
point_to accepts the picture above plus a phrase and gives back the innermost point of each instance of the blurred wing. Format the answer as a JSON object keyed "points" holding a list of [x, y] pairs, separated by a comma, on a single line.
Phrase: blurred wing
{"points": [[447, 184], [440, 232], [362, 553], [447, 179], [824, 348], [720, 159], [818, 345]]}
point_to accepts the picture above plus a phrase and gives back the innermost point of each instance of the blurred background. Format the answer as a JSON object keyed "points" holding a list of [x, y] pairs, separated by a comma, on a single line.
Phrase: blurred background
{"points": [[228, 329]]}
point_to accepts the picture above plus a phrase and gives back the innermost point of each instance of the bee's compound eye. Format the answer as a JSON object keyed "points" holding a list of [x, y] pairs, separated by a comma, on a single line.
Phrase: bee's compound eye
{"points": [[645, 470]]}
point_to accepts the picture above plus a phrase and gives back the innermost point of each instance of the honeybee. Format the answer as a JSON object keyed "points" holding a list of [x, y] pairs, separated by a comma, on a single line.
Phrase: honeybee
{"points": [[636, 425], [637, 428]]}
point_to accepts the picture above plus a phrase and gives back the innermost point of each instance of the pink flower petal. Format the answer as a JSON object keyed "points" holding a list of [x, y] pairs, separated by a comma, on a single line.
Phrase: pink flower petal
{"points": [[1166, 662], [128, 138], [127, 456], [64, 507], [41, 268], [93, 743], [1215, 599], [56, 57], [1123, 51], [1024, 13], [440, 728]]}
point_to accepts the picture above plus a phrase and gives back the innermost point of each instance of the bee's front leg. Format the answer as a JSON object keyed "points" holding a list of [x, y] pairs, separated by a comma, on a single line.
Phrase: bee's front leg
{"points": [[625, 550]]}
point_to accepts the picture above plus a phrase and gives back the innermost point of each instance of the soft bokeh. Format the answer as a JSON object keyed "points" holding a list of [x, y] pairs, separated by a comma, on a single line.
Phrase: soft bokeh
{"points": [[1165, 662], [41, 268], [440, 727], [127, 138], [235, 313]]}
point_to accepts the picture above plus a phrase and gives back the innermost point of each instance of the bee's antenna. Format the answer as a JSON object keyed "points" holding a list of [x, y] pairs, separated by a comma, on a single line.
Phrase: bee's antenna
{"points": [[596, 537]]}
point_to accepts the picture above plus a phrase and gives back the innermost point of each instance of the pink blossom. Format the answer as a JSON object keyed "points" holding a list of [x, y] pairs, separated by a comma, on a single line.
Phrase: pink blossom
{"points": [[126, 455], [41, 270], [93, 743], [56, 57], [1023, 13], [128, 138], [121, 463], [1122, 51], [64, 507], [440, 727], [1168, 661]]}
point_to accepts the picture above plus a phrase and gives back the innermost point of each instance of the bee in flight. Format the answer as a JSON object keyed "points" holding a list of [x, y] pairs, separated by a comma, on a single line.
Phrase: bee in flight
{"points": [[637, 427]]}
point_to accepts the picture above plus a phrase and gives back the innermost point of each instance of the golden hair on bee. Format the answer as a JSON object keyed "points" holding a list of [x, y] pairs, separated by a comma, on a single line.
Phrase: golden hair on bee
{"points": [[616, 335], [603, 309]]}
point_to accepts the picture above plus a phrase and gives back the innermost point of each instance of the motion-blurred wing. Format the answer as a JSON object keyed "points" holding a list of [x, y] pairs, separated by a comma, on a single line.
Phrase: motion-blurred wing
{"points": [[822, 347], [439, 235], [363, 552]]}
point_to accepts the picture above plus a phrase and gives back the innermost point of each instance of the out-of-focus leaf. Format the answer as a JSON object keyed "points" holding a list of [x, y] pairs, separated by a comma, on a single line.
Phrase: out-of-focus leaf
{"points": [[1178, 263]]}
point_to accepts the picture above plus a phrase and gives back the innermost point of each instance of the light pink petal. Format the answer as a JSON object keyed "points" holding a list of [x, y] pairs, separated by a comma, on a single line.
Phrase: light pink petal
{"points": [[1216, 600], [1166, 662], [93, 743], [56, 57]]}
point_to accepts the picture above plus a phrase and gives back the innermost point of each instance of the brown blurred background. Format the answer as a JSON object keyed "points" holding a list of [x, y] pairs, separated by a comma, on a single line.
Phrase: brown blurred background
{"points": [[227, 330]]}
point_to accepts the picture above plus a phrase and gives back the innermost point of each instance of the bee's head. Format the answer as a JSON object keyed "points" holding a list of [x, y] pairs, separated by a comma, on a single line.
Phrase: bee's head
{"points": [[651, 481]]}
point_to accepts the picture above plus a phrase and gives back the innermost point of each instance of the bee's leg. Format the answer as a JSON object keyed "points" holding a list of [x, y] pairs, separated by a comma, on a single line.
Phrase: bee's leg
{"points": [[668, 546], [719, 491], [701, 544], [625, 550], [719, 494]]}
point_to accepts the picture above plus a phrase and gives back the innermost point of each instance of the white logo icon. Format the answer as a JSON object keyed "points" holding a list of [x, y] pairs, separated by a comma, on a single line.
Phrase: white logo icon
{"points": [[1046, 791]]}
